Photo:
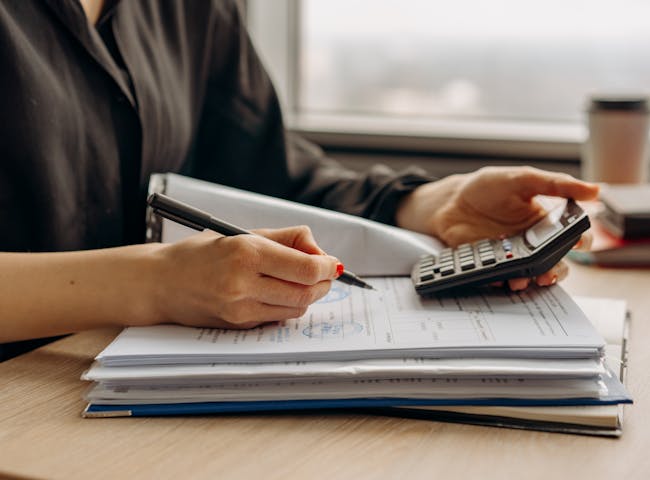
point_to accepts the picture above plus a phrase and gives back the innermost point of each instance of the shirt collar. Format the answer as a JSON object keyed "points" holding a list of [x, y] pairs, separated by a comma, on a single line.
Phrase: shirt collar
{"points": [[73, 17]]}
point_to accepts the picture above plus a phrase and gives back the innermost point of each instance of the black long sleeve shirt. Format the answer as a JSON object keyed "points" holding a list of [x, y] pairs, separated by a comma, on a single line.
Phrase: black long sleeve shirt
{"points": [[88, 113]]}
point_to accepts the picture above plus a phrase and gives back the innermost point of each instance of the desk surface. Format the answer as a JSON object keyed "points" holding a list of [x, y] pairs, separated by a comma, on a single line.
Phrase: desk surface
{"points": [[42, 434]]}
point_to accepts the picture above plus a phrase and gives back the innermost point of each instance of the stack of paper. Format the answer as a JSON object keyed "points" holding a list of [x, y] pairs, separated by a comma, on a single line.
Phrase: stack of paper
{"points": [[359, 348], [610, 318]]}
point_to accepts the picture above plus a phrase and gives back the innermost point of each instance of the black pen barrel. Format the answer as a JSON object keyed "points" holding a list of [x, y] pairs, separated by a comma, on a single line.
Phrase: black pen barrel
{"points": [[191, 216]]}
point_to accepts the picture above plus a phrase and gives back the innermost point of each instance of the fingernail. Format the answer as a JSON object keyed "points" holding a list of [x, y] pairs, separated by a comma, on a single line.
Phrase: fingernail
{"points": [[339, 269], [554, 280]]}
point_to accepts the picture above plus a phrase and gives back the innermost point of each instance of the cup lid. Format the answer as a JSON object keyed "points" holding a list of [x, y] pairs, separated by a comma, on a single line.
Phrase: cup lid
{"points": [[626, 103]]}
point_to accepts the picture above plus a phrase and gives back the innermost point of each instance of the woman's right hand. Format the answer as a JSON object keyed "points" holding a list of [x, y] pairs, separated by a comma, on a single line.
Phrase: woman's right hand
{"points": [[242, 281]]}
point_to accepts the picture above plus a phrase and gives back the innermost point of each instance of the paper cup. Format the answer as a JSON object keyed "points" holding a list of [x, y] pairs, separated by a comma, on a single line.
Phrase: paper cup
{"points": [[616, 150]]}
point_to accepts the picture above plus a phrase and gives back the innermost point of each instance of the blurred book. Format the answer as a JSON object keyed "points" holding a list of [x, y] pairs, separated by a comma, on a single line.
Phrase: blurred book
{"points": [[626, 212], [608, 249]]}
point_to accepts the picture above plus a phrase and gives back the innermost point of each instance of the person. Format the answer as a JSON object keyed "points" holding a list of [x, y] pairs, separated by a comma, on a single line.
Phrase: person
{"points": [[99, 94]]}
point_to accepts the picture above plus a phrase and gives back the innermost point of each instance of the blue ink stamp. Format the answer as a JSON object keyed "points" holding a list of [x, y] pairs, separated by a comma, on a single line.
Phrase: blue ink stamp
{"points": [[336, 294], [326, 330]]}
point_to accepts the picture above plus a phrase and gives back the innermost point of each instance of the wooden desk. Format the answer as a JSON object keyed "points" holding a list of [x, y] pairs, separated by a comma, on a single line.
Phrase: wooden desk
{"points": [[42, 434]]}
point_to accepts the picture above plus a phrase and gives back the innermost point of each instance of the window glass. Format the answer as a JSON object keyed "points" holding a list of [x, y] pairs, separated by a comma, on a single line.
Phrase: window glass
{"points": [[502, 59]]}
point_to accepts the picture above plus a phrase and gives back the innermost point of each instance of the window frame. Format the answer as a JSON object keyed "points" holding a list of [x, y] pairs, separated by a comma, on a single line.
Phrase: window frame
{"points": [[276, 31]]}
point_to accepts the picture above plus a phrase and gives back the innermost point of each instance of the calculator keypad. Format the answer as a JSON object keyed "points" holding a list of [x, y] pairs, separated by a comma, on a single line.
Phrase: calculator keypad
{"points": [[498, 259], [464, 258]]}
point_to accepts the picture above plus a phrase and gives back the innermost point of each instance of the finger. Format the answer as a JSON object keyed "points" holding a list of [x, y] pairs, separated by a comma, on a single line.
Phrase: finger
{"points": [[272, 291], [585, 242], [557, 273], [286, 263], [517, 284], [299, 237], [532, 181]]}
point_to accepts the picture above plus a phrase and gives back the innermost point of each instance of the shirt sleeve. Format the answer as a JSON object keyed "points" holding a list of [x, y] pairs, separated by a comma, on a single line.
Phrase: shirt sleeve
{"points": [[241, 139]]}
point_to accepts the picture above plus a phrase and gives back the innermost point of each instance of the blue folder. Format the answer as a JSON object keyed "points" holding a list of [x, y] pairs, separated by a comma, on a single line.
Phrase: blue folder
{"points": [[206, 408]]}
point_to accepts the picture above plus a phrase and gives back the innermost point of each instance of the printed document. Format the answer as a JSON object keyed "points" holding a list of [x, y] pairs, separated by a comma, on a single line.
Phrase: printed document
{"points": [[393, 322]]}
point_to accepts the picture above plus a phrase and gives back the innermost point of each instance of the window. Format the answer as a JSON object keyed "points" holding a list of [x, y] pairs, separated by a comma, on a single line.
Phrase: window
{"points": [[504, 69]]}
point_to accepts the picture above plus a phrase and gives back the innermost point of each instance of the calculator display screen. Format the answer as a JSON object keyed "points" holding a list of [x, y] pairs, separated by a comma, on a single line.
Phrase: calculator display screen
{"points": [[546, 227]]}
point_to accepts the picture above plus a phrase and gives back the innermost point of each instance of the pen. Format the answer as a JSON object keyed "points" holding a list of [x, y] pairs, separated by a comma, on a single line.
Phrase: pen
{"points": [[196, 219]]}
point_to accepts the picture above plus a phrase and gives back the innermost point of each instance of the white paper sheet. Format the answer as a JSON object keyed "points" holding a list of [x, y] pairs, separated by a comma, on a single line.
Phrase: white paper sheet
{"points": [[366, 247], [377, 368], [352, 324], [607, 315], [454, 388]]}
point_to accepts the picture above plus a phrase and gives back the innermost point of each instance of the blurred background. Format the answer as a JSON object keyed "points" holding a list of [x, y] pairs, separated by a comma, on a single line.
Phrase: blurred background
{"points": [[465, 83]]}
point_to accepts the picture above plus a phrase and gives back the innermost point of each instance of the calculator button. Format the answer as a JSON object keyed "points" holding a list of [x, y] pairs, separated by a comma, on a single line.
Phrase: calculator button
{"points": [[488, 260], [509, 255], [448, 270], [427, 263], [427, 277], [467, 265]]}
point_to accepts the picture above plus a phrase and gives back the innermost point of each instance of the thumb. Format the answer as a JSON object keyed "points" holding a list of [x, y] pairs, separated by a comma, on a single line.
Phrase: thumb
{"points": [[534, 182]]}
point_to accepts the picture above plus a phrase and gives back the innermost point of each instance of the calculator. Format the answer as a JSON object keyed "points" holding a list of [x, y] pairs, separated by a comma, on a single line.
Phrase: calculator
{"points": [[528, 254]]}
